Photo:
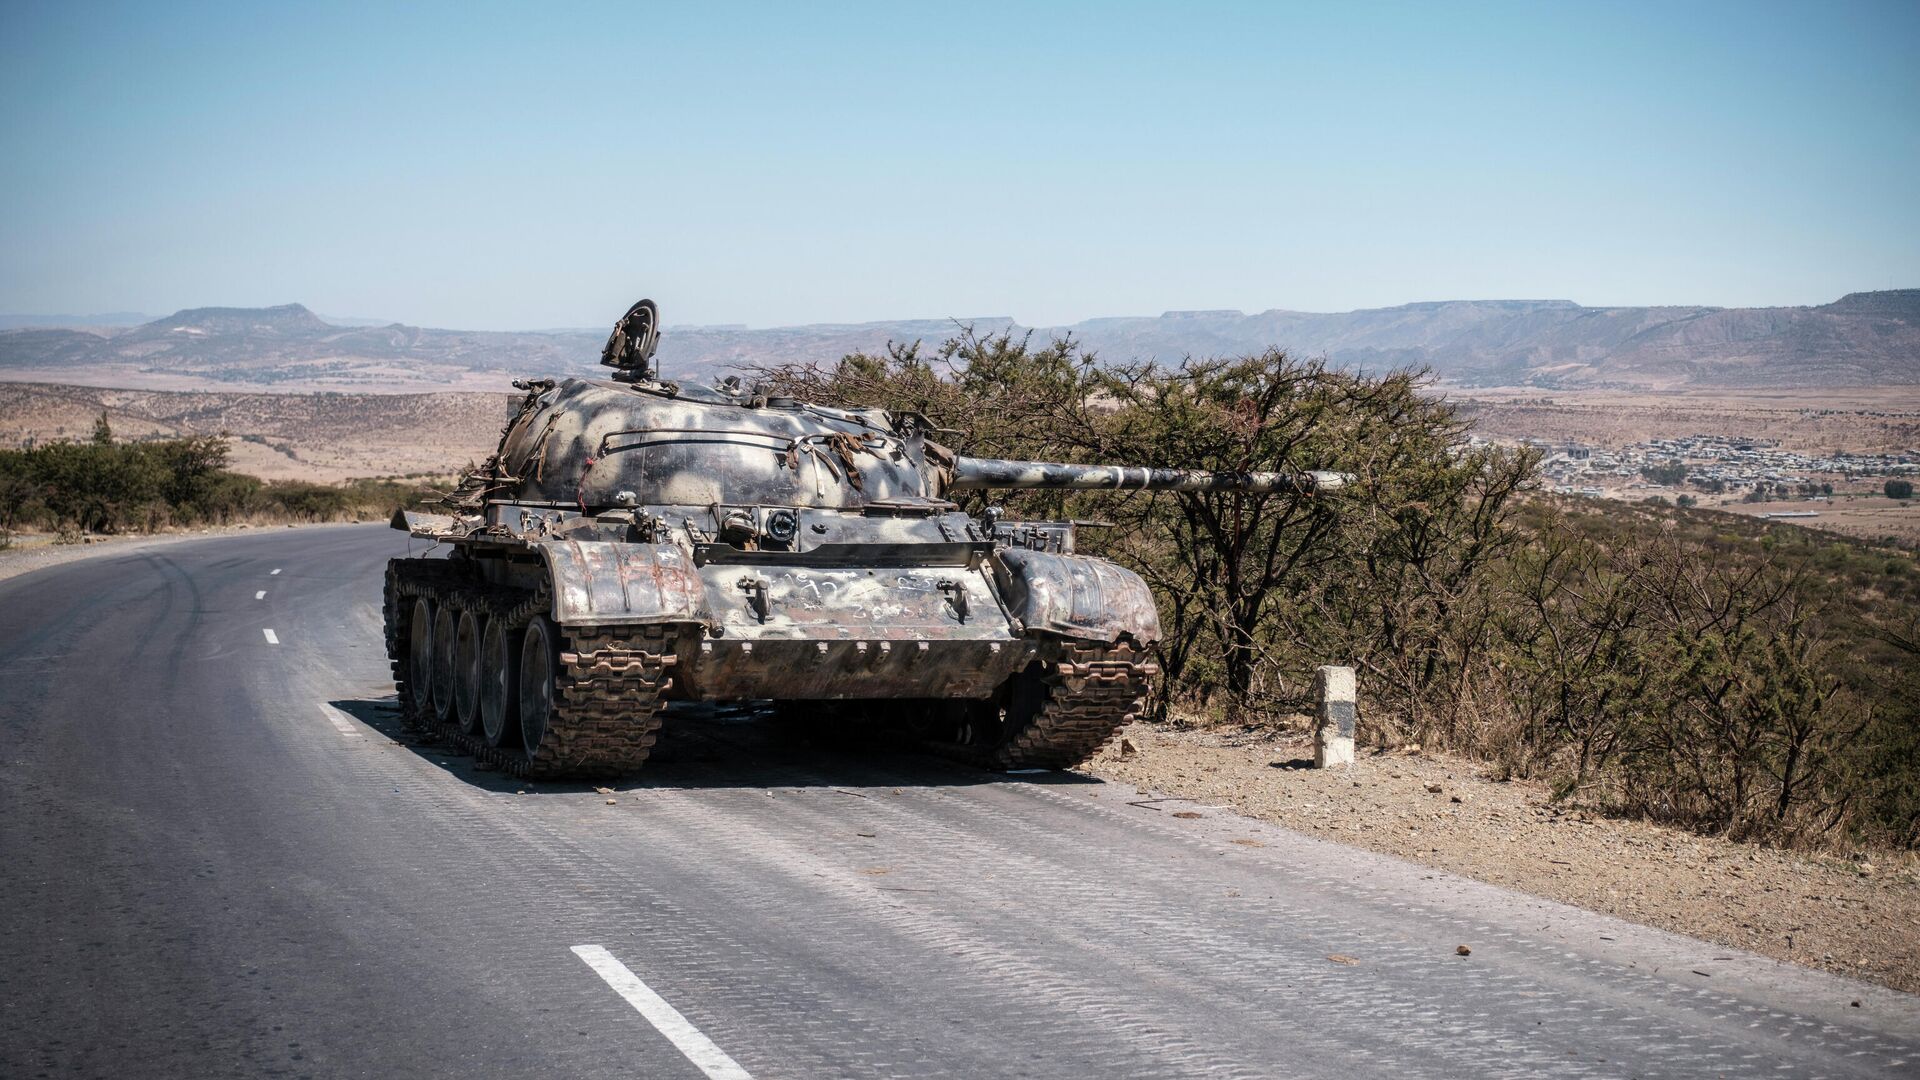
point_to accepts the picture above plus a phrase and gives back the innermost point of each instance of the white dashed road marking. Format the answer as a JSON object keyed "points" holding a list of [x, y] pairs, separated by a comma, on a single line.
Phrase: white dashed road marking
{"points": [[272, 638], [339, 720], [699, 1049], [261, 595], [275, 571]]}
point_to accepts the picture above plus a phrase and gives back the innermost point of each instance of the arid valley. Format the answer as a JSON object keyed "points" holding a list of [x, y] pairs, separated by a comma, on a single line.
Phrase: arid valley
{"points": [[332, 436]]}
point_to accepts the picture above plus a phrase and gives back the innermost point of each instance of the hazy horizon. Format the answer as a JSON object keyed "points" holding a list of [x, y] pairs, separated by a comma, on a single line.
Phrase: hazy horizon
{"points": [[493, 168], [133, 318]]}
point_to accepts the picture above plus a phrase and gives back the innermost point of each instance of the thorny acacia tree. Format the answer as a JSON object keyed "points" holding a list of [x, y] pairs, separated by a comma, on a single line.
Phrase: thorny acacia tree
{"points": [[1260, 589], [1750, 722]]}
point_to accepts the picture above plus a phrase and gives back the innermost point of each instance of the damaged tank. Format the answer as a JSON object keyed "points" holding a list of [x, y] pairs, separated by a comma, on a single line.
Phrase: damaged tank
{"points": [[635, 541]]}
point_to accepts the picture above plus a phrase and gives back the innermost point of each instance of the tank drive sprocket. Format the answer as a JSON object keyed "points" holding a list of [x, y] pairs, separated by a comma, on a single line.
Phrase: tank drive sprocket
{"points": [[1073, 707], [1054, 715]]}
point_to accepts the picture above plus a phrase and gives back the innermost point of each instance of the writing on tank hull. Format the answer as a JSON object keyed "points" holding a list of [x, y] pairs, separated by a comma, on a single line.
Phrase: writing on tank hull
{"points": [[768, 601]]}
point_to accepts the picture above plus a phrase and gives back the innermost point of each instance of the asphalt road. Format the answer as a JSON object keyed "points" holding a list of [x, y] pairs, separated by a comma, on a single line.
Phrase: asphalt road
{"points": [[218, 860]]}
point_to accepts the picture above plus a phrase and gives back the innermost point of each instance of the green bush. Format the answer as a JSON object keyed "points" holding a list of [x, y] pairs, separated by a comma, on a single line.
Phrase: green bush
{"points": [[105, 487]]}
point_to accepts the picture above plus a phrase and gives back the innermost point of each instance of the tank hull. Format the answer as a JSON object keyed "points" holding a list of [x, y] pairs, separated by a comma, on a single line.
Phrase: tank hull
{"points": [[767, 628], [1015, 697]]}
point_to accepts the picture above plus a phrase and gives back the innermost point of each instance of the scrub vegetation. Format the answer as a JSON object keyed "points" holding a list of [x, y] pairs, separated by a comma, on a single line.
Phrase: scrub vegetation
{"points": [[108, 486], [1727, 675]]}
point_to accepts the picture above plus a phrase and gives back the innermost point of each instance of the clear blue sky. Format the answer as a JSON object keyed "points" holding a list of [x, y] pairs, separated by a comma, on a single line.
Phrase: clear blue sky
{"points": [[520, 167]]}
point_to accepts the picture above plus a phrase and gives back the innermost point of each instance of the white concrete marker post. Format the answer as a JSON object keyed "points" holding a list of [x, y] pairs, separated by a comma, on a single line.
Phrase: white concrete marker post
{"points": [[1336, 707]]}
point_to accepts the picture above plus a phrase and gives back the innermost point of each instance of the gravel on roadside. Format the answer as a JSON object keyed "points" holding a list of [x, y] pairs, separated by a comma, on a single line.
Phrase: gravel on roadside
{"points": [[1858, 917]]}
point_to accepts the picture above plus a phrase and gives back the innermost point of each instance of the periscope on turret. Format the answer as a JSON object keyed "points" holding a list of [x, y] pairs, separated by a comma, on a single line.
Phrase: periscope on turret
{"points": [[635, 541]]}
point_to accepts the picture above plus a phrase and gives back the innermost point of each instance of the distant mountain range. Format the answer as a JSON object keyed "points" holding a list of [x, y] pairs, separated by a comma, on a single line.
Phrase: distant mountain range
{"points": [[1862, 339], [108, 318]]}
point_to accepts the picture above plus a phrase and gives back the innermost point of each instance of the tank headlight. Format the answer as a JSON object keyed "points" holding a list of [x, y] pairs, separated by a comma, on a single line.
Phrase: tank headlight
{"points": [[782, 525]]}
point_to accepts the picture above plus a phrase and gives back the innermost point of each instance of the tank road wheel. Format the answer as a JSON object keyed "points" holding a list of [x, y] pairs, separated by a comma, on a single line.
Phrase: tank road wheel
{"points": [[420, 658], [590, 697], [466, 672], [539, 658], [444, 623], [499, 684], [548, 702]]}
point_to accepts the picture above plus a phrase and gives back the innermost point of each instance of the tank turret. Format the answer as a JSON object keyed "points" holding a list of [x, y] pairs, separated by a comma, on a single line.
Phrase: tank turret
{"points": [[634, 542]]}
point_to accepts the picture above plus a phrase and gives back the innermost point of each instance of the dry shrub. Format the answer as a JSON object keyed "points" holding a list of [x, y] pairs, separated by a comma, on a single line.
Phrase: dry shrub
{"points": [[1721, 674]]}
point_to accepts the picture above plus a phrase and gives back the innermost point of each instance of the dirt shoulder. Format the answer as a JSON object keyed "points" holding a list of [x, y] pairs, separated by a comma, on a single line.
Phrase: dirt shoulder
{"points": [[1856, 918]]}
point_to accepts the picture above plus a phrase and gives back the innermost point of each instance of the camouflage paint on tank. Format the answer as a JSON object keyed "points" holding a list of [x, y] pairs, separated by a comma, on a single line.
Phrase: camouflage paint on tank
{"points": [[807, 551], [972, 473], [584, 442]]}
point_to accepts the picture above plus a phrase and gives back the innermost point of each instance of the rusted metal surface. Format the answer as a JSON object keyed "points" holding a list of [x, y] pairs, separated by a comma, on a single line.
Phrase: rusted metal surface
{"points": [[1078, 596], [770, 548], [597, 582], [855, 667], [428, 526]]}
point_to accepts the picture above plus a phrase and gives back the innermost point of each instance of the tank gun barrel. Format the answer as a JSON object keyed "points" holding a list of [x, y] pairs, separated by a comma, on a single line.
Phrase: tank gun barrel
{"points": [[971, 473]]}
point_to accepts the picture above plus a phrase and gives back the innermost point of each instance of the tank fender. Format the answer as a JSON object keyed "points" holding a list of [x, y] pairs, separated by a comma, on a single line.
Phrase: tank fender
{"points": [[597, 581], [1077, 596], [428, 526]]}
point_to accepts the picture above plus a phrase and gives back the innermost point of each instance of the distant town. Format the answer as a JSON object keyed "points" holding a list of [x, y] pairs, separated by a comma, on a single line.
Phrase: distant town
{"points": [[1696, 468]]}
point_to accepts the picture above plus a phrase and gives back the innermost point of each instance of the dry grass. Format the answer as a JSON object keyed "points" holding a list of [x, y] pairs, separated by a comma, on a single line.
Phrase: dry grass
{"points": [[1874, 519]]}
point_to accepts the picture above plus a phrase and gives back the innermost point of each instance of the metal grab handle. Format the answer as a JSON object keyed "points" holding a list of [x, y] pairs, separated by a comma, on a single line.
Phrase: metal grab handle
{"points": [[756, 590], [957, 596]]}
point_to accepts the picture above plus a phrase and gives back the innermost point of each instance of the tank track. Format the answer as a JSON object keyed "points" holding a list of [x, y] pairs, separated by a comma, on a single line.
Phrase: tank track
{"points": [[1092, 692], [607, 697]]}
